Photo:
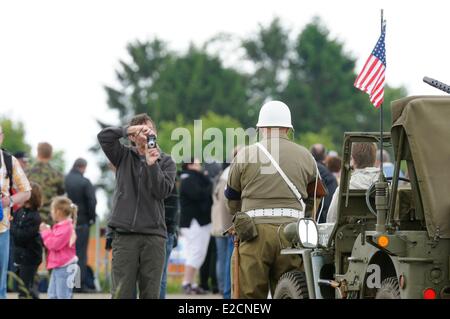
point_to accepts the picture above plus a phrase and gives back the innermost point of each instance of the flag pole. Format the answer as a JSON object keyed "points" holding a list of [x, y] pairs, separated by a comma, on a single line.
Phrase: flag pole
{"points": [[381, 187], [381, 117]]}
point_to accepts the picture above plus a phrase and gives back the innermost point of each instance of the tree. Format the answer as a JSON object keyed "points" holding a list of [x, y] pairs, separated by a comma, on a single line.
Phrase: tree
{"points": [[163, 84], [311, 73], [14, 136], [320, 87], [212, 132], [308, 139], [137, 78], [268, 50], [15, 141]]}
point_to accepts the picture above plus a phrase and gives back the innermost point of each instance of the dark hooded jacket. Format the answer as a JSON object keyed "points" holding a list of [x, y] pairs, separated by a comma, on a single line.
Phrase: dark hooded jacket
{"points": [[26, 237], [138, 201]]}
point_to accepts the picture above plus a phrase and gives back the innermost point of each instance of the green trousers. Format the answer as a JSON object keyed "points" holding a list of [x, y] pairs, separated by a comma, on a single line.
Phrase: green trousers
{"points": [[260, 263], [137, 262]]}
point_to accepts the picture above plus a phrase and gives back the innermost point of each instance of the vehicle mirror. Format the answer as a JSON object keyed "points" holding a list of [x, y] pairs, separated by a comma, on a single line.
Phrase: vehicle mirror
{"points": [[308, 233]]}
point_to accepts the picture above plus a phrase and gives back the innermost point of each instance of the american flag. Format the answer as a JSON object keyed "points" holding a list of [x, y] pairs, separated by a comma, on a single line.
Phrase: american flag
{"points": [[371, 77]]}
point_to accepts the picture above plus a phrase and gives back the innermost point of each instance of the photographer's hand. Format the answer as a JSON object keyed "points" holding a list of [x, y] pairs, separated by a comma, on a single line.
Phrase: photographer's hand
{"points": [[151, 155], [138, 130]]}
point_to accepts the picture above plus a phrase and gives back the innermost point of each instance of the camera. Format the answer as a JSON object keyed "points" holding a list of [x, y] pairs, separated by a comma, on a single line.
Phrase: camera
{"points": [[151, 141]]}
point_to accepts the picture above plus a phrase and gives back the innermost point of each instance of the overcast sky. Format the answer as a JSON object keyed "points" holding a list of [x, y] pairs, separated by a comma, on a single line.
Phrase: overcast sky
{"points": [[55, 56]]}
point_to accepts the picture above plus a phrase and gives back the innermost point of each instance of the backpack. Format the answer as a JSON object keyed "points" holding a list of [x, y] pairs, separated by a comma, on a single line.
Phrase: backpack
{"points": [[7, 158]]}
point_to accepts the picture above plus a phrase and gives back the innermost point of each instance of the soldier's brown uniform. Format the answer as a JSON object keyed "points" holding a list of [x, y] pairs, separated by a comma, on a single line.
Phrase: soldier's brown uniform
{"points": [[261, 263]]}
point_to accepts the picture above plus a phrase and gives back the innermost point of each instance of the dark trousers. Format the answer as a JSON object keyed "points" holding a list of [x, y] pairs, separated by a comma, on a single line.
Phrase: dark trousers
{"points": [[208, 269], [169, 247], [27, 274], [82, 251], [137, 258], [11, 266]]}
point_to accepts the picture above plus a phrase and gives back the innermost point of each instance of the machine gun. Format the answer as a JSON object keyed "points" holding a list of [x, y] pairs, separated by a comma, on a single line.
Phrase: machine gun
{"points": [[438, 85]]}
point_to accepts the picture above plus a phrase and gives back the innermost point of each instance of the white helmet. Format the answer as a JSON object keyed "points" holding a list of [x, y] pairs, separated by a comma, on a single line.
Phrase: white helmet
{"points": [[274, 114]]}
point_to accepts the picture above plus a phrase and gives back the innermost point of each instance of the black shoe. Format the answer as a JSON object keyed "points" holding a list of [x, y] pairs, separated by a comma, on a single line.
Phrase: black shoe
{"points": [[84, 290], [199, 291], [187, 289]]}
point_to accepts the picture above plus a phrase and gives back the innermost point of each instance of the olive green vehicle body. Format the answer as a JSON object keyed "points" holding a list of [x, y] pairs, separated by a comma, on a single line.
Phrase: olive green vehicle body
{"points": [[418, 217]]}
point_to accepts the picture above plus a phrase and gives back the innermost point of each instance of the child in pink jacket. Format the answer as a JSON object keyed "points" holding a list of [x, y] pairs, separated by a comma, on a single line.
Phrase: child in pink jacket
{"points": [[60, 243]]}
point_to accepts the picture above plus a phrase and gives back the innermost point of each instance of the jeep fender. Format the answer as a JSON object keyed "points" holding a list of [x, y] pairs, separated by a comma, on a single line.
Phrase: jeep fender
{"points": [[361, 266]]}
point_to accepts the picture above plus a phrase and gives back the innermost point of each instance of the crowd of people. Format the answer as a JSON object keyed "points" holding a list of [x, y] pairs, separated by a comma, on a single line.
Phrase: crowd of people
{"points": [[44, 218], [195, 206]]}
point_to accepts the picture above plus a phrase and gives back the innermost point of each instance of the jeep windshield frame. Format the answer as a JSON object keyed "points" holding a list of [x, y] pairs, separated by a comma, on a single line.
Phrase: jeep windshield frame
{"points": [[344, 192]]}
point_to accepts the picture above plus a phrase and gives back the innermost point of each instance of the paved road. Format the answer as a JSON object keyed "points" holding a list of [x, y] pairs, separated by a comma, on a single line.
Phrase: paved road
{"points": [[108, 296]]}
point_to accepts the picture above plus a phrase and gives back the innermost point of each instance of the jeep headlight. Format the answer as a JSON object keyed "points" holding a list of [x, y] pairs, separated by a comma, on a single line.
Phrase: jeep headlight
{"points": [[290, 232]]}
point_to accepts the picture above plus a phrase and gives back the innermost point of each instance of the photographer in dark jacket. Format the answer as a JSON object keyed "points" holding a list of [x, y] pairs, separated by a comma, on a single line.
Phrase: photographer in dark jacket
{"points": [[27, 241], [144, 178], [80, 190], [195, 222]]}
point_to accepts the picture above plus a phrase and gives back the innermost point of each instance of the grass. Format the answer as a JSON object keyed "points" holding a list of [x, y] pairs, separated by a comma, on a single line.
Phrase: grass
{"points": [[173, 284]]}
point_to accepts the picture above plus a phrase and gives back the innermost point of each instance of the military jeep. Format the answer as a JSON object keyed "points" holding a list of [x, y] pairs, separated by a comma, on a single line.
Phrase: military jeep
{"points": [[393, 239]]}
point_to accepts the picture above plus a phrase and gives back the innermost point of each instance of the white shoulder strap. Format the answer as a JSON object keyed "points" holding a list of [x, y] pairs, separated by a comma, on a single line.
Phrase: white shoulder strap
{"points": [[291, 185]]}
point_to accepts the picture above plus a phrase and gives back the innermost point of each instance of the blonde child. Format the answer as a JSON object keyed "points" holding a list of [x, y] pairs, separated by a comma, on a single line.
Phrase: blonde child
{"points": [[60, 243]]}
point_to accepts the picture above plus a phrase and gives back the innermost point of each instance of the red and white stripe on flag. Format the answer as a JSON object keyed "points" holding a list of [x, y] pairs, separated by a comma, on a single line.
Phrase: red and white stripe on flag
{"points": [[372, 76]]}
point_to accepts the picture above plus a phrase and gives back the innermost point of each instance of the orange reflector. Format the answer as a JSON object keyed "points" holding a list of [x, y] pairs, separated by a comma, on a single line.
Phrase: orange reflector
{"points": [[383, 241], [429, 293]]}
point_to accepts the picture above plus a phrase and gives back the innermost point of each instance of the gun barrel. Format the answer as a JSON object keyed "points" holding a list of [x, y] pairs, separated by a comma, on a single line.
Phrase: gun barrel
{"points": [[437, 84]]}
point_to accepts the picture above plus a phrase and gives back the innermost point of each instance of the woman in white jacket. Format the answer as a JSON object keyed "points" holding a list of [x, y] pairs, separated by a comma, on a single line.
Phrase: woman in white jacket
{"points": [[364, 173]]}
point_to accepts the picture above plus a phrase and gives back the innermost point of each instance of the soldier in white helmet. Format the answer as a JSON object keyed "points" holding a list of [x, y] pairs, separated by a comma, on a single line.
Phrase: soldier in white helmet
{"points": [[263, 197]]}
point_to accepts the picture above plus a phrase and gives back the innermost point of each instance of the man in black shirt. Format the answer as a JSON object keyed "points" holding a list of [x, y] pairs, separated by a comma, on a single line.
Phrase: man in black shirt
{"points": [[80, 190], [318, 151]]}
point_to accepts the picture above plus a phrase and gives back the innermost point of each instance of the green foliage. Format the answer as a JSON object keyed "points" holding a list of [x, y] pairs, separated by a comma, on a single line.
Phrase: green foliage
{"points": [[268, 50], [163, 84], [310, 71], [137, 77], [168, 135], [14, 141], [312, 74], [320, 87], [14, 136], [324, 137]]}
